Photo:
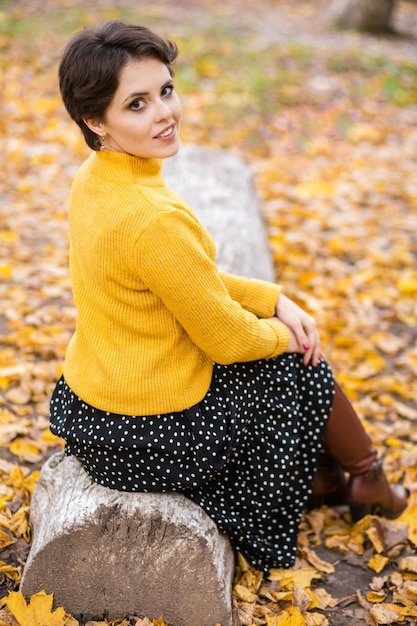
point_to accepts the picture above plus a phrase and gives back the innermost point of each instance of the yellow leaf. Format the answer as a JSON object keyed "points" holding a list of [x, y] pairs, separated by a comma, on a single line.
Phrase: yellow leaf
{"points": [[17, 476], [5, 540], [370, 365], [356, 542], [408, 285], [291, 617], [24, 450], [272, 621], [323, 598], [207, 67], [375, 596], [410, 518], [378, 562], [242, 593], [287, 577], [19, 523], [12, 573], [8, 236], [375, 538], [409, 564], [37, 613], [50, 438], [364, 132], [315, 188], [5, 271], [243, 563], [29, 482]]}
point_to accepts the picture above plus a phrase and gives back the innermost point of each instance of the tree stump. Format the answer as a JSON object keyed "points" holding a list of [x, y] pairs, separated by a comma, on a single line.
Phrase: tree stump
{"points": [[372, 16], [105, 553]]}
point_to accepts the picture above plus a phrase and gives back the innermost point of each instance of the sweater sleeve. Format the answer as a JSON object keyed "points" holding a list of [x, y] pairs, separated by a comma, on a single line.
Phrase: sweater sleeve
{"points": [[174, 263], [257, 296]]}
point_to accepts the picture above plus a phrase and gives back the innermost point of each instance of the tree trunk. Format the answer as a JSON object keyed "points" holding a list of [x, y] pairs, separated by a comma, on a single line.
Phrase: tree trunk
{"points": [[367, 15]]}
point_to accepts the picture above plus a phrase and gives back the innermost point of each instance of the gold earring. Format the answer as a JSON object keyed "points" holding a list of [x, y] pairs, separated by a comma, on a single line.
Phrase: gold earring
{"points": [[102, 146]]}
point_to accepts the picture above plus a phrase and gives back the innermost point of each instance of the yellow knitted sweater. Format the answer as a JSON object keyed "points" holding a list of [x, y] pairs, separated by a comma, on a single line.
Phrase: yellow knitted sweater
{"points": [[153, 310]]}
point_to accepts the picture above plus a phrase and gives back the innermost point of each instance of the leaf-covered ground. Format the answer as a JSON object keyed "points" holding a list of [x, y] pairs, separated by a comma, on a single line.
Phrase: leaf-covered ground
{"points": [[328, 122]]}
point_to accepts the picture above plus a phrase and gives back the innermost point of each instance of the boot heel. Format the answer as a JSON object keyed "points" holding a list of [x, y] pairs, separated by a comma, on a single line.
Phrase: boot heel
{"points": [[358, 511], [394, 514], [314, 502], [383, 498]]}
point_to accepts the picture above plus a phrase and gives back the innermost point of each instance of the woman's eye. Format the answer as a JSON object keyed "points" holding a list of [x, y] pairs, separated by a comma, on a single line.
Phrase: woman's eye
{"points": [[137, 105], [167, 91]]}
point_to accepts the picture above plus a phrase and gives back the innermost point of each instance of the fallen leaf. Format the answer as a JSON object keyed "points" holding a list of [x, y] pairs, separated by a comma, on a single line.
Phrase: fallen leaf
{"points": [[375, 596], [387, 613], [378, 562], [38, 612], [409, 564]]}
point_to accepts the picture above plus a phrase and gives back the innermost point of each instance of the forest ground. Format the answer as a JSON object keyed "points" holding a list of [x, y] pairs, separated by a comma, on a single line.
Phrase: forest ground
{"points": [[327, 120]]}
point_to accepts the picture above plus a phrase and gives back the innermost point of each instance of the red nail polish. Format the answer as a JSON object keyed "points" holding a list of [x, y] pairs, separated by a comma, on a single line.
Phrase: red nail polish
{"points": [[306, 346]]}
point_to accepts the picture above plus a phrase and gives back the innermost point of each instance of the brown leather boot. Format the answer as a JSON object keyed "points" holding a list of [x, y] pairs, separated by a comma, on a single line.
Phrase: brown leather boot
{"points": [[349, 445], [371, 493], [329, 483]]}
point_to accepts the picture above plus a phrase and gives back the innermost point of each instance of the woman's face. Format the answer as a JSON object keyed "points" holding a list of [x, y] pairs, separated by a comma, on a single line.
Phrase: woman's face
{"points": [[144, 117]]}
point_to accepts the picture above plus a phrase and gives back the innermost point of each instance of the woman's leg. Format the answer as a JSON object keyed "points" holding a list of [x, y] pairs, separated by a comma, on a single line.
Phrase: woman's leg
{"points": [[348, 445]]}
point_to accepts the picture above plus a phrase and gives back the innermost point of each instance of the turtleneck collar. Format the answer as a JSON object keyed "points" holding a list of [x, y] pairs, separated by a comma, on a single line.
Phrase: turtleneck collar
{"points": [[125, 168]]}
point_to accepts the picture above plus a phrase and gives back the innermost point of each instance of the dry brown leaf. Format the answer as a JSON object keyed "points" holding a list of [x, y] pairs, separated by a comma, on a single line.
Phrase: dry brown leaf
{"points": [[338, 543], [6, 619], [319, 564], [316, 619], [323, 598], [316, 519], [408, 564], [301, 599], [387, 613]]}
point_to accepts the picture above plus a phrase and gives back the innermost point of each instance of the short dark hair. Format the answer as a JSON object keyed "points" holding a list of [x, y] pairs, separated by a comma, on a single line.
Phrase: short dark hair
{"points": [[91, 64]]}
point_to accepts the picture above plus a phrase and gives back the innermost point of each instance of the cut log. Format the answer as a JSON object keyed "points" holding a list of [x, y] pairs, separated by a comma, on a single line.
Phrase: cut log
{"points": [[103, 553], [107, 554], [219, 188]]}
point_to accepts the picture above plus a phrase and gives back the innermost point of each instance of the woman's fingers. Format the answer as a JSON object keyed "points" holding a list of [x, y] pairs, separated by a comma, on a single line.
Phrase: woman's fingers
{"points": [[302, 326]]}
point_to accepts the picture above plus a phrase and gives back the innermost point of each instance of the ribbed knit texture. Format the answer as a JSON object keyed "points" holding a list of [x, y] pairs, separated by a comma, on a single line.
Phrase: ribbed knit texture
{"points": [[153, 311]]}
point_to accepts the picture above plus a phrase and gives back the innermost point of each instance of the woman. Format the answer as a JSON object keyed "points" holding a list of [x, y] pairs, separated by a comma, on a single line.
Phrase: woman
{"points": [[181, 377]]}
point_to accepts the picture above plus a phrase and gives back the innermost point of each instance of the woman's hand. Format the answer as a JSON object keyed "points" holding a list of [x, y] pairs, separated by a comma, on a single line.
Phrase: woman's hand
{"points": [[304, 334]]}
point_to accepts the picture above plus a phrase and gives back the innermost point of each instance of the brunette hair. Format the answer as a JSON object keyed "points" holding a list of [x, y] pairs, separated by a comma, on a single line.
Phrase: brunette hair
{"points": [[91, 63]]}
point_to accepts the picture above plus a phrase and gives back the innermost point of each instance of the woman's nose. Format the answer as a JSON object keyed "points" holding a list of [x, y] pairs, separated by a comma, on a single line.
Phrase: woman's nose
{"points": [[163, 110]]}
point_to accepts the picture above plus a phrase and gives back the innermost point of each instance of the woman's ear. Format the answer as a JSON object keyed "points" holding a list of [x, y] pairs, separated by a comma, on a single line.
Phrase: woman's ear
{"points": [[95, 125]]}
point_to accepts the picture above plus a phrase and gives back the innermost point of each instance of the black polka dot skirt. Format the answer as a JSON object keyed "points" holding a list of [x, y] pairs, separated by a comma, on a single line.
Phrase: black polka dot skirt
{"points": [[246, 453]]}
